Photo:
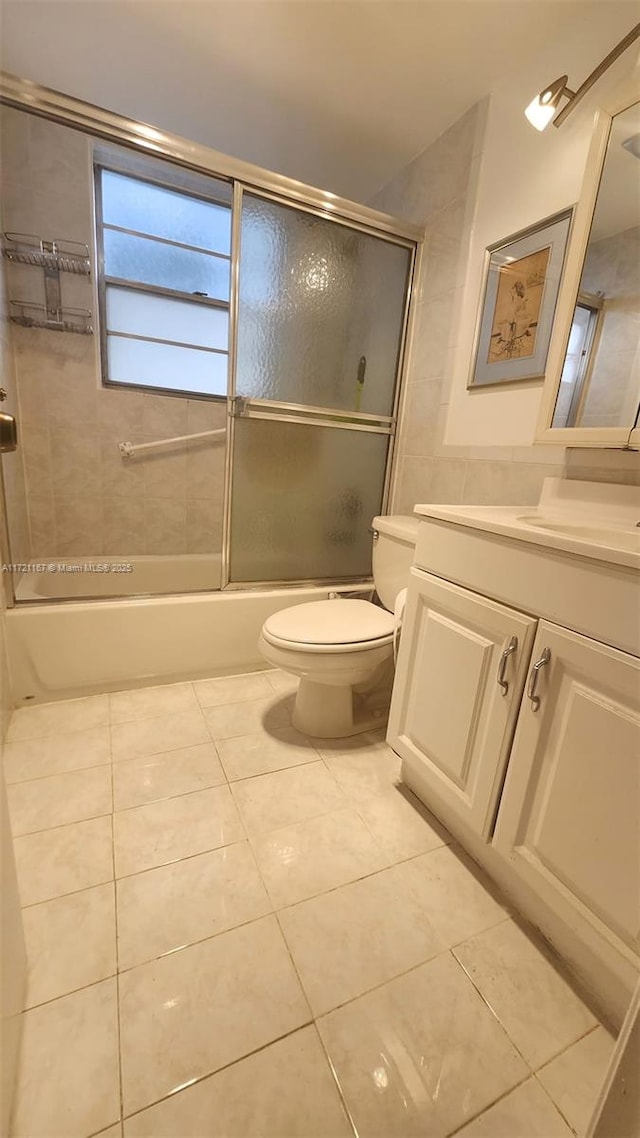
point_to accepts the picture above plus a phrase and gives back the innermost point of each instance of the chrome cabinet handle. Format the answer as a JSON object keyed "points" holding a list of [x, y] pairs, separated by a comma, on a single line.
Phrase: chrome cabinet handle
{"points": [[504, 659], [533, 678]]}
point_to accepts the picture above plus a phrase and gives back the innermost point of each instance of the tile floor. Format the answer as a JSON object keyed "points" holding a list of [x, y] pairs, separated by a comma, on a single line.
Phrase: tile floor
{"points": [[235, 930]]}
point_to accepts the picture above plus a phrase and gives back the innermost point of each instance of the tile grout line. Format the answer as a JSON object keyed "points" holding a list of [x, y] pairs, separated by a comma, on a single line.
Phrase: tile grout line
{"points": [[117, 945], [554, 1103], [334, 1074], [484, 999], [59, 774], [505, 1094], [61, 825], [567, 1047], [212, 1074]]}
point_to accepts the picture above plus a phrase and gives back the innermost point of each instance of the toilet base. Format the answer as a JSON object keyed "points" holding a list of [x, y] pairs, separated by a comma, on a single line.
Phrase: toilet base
{"points": [[331, 711]]}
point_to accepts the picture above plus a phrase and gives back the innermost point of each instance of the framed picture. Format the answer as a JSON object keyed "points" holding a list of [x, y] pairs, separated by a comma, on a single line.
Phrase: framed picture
{"points": [[520, 290]]}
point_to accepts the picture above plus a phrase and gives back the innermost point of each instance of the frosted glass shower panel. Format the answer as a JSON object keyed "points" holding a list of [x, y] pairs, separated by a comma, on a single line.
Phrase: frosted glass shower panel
{"points": [[316, 298], [302, 501]]}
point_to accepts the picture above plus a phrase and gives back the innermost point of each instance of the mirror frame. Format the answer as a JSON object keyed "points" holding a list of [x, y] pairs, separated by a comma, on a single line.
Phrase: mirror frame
{"points": [[613, 437]]}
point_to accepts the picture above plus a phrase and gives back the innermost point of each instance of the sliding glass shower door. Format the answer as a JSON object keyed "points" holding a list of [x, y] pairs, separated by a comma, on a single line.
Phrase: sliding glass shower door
{"points": [[321, 311]]}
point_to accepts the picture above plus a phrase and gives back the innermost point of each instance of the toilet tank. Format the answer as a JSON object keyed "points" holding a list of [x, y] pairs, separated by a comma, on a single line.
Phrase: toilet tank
{"points": [[393, 553]]}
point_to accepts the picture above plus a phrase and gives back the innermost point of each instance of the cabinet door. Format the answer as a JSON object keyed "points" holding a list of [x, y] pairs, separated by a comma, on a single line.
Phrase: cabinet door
{"points": [[449, 709], [569, 814]]}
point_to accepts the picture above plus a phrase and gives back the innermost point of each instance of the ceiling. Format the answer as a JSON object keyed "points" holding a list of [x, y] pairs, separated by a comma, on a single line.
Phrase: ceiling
{"points": [[337, 93]]}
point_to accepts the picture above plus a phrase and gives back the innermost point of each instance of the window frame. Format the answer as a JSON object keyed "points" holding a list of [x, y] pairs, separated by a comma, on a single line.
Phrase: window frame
{"points": [[104, 281]]}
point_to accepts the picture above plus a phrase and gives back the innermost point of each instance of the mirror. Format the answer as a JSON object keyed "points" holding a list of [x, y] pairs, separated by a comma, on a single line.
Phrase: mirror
{"points": [[600, 381]]}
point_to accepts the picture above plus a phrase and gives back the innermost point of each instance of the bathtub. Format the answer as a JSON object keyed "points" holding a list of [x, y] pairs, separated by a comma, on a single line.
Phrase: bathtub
{"points": [[59, 578], [75, 647]]}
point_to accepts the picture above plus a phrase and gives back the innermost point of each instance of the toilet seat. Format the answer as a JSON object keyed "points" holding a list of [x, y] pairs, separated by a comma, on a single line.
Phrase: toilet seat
{"points": [[330, 626]]}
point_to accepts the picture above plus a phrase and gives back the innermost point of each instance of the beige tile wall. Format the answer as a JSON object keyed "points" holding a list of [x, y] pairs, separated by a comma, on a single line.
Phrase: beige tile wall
{"points": [[83, 498], [437, 190]]}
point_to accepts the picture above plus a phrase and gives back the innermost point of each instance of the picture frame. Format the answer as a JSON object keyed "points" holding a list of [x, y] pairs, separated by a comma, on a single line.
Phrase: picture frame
{"points": [[521, 281]]}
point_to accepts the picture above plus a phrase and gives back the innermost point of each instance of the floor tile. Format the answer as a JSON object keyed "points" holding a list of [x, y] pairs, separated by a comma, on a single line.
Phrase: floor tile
{"points": [[526, 1112], [311, 857], [59, 799], [174, 828], [272, 801], [282, 682], [167, 775], [533, 1001], [195, 1011], [574, 1078], [365, 773], [67, 1084], [461, 899], [167, 908], [112, 1132], [247, 1100], [153, 736], [421, 1054], [233, 719], [360, 935], [233, 689], [42, 719], [249, 755], [152, 703], [71, 942], [36, 758], [65, 860], [401, 824]]}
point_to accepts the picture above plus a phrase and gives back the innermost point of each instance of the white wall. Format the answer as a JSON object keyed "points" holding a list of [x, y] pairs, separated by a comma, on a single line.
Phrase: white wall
{"points": [[525, 176]]}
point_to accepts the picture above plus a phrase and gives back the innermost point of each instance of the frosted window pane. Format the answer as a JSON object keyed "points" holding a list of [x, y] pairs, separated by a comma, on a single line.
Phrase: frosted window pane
{"points": [[162, 365], [141, 314], [145, 260], [315, 297], [153, 209], [303, 499]]}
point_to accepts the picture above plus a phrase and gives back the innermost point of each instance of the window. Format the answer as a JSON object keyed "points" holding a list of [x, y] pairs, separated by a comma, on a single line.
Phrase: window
{"points": [[164, 285]]}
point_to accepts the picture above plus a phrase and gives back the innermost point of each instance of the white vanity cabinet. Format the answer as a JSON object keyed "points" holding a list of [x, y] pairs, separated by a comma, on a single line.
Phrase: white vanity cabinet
{"points": [[461, 672], [537, 776], [569, 814]]}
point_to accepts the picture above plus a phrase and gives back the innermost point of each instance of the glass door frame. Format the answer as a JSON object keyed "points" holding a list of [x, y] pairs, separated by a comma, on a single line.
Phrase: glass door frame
{"points": [[102, 124], [244, 407]]}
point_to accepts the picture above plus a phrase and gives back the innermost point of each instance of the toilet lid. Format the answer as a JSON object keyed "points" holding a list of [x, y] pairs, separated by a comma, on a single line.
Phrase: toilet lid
{"points": [[331, 622]]}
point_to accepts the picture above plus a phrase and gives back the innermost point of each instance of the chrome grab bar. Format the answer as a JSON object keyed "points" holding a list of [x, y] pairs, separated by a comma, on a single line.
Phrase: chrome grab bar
{"points": [[512, 647], [533, 678], [129, 449]]}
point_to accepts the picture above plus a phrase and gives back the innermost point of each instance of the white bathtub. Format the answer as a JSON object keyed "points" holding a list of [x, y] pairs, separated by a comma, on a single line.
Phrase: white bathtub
{"points": [[60, 577], [72, 648]]}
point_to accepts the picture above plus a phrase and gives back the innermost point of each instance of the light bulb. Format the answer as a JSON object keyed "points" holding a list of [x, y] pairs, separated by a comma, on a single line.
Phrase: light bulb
{"points": [[542, 109], [540, 114]]}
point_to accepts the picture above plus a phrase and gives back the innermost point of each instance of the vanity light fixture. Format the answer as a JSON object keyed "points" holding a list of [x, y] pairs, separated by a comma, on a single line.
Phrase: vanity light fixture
{"points": [[541, 110]]}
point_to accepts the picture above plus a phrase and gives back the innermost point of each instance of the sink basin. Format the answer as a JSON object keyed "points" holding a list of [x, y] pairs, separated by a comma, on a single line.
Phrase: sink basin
{"points": [[617, 537]]}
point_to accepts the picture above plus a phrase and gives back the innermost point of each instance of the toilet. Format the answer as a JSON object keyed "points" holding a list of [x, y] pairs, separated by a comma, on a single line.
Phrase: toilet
{"points": [[342, 649]]}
